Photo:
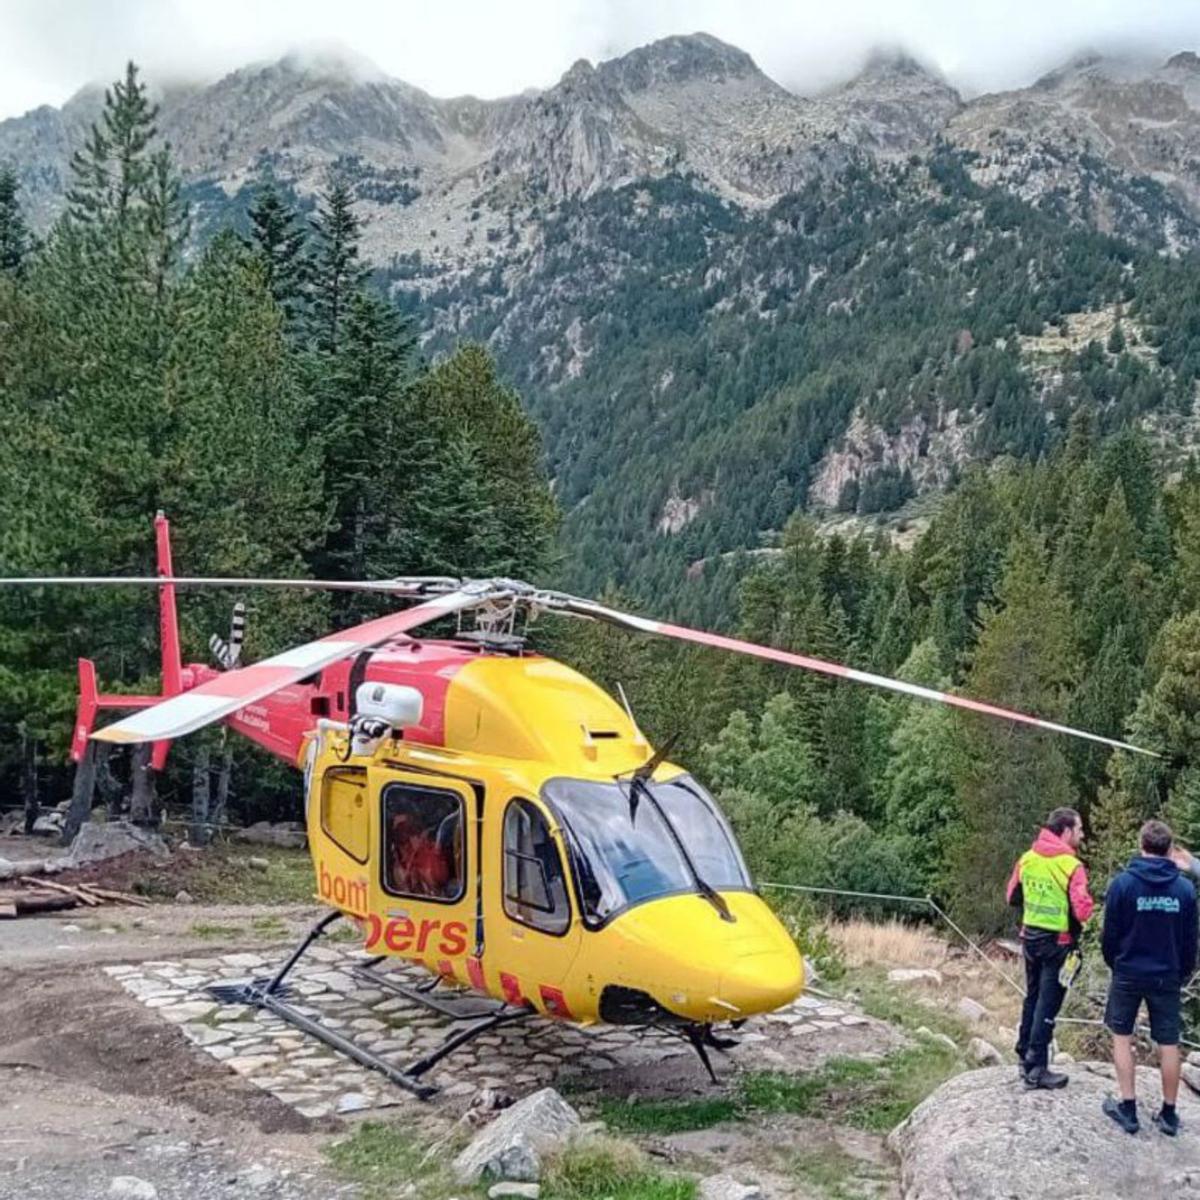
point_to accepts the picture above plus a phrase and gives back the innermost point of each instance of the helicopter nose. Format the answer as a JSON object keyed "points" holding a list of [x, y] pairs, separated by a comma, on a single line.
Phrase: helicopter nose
{"points": [[755, 983]]}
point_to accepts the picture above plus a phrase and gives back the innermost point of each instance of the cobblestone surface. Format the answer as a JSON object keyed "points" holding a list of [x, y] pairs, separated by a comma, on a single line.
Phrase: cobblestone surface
{"points": [[317, 1081]]}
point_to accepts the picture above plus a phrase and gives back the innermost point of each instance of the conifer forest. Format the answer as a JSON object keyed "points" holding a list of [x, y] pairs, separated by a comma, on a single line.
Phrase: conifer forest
{"points": [[299, 411]]}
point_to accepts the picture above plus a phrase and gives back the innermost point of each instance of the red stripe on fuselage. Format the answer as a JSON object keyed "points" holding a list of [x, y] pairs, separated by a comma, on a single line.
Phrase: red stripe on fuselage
{"points": [[511, 987], [475, 974], [554, 1001]]}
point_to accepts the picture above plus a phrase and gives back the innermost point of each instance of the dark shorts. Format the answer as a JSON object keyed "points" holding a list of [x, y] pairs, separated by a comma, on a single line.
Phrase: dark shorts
{"points": [[1125, 997]]}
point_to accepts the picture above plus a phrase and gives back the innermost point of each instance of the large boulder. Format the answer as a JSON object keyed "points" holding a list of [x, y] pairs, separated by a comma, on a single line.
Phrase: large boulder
{"points": [[95, 842], [512, 1146], [983, 1135]]}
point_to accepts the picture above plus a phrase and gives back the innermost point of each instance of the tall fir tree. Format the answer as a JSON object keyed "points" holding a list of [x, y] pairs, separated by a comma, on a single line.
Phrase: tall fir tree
{"points": [[1013, 776], [336, 272], [278, 235], [14, 233], [368, 419]]}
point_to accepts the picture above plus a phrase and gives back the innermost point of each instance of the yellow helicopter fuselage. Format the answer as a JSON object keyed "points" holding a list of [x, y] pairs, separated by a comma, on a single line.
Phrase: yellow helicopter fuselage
{"points": [[500, 844]]}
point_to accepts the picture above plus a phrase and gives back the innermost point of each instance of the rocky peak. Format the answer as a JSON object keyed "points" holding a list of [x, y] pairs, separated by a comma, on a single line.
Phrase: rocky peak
{"points": [[894, 105], [1185, 60], [680, 59], [894, 62], [329, 62]]}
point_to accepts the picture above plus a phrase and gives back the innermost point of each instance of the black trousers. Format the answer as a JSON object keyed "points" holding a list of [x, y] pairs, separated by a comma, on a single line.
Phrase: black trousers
{"points": [[1044, 995]]}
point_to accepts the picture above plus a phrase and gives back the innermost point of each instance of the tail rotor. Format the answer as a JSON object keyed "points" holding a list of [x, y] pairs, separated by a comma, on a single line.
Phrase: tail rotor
{"points": [[228, 653]]}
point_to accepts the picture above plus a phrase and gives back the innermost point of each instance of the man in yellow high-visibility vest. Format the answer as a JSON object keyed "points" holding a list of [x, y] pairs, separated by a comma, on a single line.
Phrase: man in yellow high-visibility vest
{"points": [[1049, 885]]}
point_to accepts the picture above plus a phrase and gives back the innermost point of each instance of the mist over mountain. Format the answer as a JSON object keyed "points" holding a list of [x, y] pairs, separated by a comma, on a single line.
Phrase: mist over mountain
{"points": [[725, 301]]}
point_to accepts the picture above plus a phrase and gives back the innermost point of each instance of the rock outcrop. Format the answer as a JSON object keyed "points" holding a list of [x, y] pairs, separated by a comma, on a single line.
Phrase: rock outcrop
{"points": [[512, 1146], [981, 1135], [96, 842]]}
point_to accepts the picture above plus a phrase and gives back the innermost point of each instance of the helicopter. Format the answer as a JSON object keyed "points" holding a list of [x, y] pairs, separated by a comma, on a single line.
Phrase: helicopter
{"points": [[490, 814]]}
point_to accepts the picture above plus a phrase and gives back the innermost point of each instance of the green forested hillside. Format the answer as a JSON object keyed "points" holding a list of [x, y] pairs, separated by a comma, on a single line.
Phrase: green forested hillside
{"points": [[1066, 588], [715, 354]]}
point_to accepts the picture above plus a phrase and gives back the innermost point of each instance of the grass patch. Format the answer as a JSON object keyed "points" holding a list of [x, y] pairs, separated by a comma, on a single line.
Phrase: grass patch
{"points": [[210, 932], [666, 1116], [879, 999], [269, 926], [607, 1169], [870, 1094], [382, 1158], [222, 874], [835, 1175]]}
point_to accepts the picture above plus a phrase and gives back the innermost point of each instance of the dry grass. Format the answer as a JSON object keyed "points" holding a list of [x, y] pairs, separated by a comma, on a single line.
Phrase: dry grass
{"points": [[888, 943], [870, 949]]}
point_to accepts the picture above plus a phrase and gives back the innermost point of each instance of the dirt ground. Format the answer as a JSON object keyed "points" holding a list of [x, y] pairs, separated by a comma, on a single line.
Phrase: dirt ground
{"points": [[96, 1088]]}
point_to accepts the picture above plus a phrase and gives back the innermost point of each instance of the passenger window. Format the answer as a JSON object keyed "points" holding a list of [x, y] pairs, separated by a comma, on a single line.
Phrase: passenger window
{"points": [[344, 810], [535, 890], [423, 842]]}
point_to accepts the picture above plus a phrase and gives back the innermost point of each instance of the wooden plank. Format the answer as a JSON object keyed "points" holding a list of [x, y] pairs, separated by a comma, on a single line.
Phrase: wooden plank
{"points": [[90, 901], [50, 902], [117, 897]]}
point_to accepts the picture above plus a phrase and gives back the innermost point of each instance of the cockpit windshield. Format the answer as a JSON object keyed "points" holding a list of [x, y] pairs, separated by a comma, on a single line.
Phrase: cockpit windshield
{"points": [[624, 852]]}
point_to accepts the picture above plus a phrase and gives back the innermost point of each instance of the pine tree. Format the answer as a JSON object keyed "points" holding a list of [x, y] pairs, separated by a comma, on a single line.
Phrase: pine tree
{"points": [[14, 233], [113, 168], [464, 396], [335, 270], [280, 238], [1013, 776], [1102, 704], [369, 418]]}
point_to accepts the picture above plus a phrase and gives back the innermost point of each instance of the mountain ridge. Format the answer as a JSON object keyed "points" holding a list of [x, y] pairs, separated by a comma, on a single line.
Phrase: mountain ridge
{"points": [[682, 103]]}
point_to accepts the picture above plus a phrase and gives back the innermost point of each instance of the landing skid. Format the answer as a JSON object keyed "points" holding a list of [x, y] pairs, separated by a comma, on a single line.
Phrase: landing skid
{"points": [[458, 1007], [270, 993]]}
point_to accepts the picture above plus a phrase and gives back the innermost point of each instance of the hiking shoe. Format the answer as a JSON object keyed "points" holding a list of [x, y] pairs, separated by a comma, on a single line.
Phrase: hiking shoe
{"points": [[1043, 1079], [1167, 1123], [1127, 1120]]}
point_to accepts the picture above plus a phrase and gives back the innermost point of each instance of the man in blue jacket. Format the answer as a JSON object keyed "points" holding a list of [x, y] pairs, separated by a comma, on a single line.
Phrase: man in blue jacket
{"points": [[1149, 942]]}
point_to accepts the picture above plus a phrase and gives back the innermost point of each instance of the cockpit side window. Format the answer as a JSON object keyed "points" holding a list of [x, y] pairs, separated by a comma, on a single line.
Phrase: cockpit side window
{"points": [[535, 888], [423, 842]]}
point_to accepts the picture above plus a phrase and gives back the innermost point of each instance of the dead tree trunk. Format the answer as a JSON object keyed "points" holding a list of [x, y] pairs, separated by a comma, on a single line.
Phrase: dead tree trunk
{"points": [[141, 798], [216, 814], [200, 832], [29, 754], [106, 781], [81, 794]]}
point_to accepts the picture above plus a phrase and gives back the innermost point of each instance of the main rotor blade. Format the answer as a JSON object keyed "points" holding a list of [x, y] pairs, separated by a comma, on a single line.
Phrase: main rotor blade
{"points": [[414, 586], [588, 608], [228, 692]]}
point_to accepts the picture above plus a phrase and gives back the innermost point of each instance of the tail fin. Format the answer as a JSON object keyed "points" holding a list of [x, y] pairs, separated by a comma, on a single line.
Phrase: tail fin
{"points": [[91, 700]]}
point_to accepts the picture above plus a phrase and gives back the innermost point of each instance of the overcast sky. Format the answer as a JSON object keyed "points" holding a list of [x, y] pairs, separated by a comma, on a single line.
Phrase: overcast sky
{"points": [[49, 48]]}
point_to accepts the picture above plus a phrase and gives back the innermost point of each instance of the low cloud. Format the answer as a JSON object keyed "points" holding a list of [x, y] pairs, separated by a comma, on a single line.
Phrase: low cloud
{"points": [[49, 48]]}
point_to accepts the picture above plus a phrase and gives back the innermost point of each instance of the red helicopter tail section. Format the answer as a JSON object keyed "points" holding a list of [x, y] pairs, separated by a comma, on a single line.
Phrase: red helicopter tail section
{"points": [[174, 678]]}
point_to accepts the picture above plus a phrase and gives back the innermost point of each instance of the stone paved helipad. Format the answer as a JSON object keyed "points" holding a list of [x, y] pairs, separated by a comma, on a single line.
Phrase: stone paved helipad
{"points": [[316, 1080]]}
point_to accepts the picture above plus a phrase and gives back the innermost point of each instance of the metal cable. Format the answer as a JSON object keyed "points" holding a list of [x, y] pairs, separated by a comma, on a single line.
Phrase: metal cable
{"points": [[930, 903]]}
